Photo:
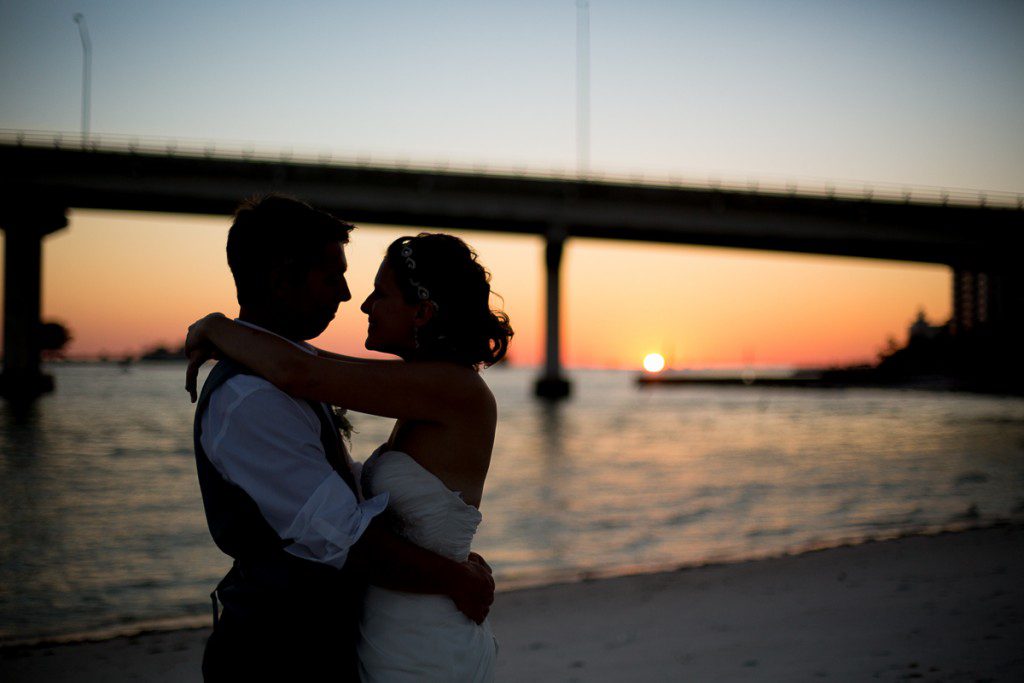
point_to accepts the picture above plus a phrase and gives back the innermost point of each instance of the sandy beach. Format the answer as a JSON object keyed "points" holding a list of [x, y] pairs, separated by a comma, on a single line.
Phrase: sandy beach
{"points": [[948, 607]]}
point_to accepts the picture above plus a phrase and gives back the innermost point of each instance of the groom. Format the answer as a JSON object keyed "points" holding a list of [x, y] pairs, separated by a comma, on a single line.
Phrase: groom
{"points": [[276, 479]]}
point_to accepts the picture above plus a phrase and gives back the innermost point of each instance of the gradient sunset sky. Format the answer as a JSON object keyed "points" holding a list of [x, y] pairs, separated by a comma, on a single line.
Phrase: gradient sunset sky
{"points": [[921, 93]]}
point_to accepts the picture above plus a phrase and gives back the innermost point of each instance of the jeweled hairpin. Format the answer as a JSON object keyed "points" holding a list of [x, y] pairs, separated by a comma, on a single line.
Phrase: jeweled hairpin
{"points": [[422, 292]]}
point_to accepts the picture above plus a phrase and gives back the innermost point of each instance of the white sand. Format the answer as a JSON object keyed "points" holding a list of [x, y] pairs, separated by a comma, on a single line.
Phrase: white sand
{"points": [[947, 607]]}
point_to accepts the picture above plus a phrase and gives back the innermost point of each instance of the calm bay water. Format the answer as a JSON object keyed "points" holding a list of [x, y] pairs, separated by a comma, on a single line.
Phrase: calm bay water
{"points": [[101, 523]]}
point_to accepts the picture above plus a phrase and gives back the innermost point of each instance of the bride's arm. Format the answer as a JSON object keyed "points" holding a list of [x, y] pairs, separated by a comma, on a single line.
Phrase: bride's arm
{"points": [[348, 359], [419, 391]]}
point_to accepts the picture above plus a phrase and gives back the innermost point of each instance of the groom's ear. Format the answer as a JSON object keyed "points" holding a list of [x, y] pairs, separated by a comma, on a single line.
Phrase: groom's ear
{"points": [[283, 277], [275, 281]]}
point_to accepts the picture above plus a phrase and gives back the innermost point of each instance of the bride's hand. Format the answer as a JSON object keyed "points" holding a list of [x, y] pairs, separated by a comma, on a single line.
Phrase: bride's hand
{"points": [[198, 349]]}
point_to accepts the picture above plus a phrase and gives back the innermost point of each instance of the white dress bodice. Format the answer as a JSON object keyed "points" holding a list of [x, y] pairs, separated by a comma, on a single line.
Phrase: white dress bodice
{"points": [[408, 636]]}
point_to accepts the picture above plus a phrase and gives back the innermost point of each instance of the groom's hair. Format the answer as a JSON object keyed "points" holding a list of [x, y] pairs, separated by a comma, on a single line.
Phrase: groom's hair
{"points": [[273, 232]]}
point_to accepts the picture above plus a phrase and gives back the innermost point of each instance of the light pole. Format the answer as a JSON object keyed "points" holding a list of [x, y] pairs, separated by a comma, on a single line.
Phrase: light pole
{"points": [[83, 32], [582, 87]]}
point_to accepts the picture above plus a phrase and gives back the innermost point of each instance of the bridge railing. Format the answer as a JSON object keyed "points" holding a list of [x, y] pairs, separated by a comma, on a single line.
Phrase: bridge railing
{"points": [[262, 152]]}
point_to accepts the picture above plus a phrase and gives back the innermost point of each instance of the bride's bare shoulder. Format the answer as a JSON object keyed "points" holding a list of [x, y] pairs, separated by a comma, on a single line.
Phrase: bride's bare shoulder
{"points": [[469, 387]]}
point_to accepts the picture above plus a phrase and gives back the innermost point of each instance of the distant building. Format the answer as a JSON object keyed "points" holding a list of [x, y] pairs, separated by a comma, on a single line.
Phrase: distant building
{"points": [[921, 329]]}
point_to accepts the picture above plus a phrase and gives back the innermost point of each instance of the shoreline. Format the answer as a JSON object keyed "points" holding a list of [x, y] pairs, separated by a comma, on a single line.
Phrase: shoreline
{"points": [[542, 580], [943, 606]]}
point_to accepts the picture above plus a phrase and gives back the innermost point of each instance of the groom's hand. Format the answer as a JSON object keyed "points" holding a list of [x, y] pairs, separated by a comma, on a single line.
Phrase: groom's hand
{"points": [[477, 559], [474, 594]]}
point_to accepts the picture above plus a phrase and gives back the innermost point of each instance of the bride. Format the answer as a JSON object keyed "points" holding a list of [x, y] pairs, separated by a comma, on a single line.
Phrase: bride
{"points": [[430, 306]]}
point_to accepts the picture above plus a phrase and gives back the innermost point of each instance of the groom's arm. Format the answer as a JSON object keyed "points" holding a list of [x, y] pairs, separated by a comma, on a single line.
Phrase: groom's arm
{"points": [[262, 441], [389, 561], [268, 444]]}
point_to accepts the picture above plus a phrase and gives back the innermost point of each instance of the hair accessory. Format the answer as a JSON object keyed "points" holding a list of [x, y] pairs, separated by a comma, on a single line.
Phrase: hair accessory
{"points": [[407, 255], [422, 292]]}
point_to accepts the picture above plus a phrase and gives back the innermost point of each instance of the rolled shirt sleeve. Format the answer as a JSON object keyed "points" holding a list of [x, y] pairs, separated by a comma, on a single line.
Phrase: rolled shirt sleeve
{"points": [[268, 443], [316, 528]]}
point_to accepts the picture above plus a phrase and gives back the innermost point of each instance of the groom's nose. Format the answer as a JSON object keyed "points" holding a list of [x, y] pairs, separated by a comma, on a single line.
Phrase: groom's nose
{"points": [[344, 293]]}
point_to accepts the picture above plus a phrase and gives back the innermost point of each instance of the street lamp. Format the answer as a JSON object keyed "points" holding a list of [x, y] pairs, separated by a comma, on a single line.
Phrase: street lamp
{"points": [[83, 32], [582, 87]]}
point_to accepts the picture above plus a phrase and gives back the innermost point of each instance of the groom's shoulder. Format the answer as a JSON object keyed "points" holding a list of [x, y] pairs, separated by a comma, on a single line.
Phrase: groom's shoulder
{"points": [[242, 386], [252, 396]]}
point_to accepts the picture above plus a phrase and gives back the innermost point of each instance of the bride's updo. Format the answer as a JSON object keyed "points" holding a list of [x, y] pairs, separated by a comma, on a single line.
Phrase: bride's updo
{"points": [[443, 270]]}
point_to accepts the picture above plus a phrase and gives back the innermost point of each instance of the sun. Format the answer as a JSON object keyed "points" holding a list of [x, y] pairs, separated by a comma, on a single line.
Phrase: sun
{"points": [[654, 362]]}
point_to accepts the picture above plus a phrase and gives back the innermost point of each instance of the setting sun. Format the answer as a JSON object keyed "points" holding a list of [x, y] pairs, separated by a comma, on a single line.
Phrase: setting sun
{"points": [[654, 362]]}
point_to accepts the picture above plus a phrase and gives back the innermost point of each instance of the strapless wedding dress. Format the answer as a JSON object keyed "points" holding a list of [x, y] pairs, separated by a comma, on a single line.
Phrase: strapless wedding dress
{"points": [[412, 637]]}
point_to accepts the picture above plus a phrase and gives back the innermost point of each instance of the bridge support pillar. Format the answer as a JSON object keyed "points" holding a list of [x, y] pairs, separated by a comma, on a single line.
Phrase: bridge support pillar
{"points": [[24, 228], [552, 385], [990, 296], [988, 325]]}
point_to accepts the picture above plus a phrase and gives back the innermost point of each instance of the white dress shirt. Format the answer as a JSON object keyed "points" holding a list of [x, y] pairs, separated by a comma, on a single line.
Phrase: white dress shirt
{"points": [[268, 443]]}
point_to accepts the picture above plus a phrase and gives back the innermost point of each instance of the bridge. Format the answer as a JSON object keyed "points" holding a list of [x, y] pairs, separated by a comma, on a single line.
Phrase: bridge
{"points": [[979, 235]]}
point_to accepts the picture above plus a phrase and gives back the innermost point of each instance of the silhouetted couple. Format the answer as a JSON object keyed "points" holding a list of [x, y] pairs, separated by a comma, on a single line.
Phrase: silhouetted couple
{"points": [[340, 570]]}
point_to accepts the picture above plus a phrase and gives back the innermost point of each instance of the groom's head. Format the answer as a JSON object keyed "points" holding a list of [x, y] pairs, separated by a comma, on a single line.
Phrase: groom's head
{"points": [[288, 261]]}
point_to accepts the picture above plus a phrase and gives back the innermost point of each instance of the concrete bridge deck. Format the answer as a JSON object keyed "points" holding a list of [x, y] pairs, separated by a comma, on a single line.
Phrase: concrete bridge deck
{"points": [[39, 181], [877, 225]]}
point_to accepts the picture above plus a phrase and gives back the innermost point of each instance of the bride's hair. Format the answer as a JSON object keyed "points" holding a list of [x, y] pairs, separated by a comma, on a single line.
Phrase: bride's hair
{"points": [[443, 271]]}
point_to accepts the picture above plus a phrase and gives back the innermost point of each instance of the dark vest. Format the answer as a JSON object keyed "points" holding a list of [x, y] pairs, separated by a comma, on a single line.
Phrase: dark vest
{"points": [[268, 586]]}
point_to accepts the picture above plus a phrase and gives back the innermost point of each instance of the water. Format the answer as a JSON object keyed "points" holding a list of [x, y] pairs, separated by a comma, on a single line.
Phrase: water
{"points": [[102, 529]]}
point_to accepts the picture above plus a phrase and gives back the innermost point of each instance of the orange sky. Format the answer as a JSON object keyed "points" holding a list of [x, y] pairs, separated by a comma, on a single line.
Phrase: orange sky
{"points": [[123, 282]]}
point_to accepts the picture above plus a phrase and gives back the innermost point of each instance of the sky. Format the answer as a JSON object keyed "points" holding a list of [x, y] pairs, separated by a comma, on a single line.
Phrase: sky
{"points": [[922, 93]]}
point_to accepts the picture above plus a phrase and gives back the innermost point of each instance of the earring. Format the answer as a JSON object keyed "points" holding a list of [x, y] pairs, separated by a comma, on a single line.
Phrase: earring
{"points": [[416, 337]]}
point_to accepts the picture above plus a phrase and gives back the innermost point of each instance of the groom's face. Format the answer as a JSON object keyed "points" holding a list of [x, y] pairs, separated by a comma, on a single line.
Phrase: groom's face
{"points": [[308, 302]]}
